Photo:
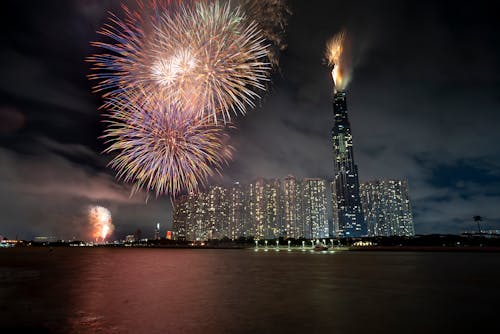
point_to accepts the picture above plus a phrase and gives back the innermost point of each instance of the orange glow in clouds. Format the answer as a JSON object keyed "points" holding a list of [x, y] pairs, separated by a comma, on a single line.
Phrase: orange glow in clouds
{"points": [[101, 223]]}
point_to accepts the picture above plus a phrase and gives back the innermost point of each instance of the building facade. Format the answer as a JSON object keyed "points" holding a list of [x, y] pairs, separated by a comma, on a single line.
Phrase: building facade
{"points": [[315, 220], [346, 181], [290, 207], [386, 207], [263, 209]]}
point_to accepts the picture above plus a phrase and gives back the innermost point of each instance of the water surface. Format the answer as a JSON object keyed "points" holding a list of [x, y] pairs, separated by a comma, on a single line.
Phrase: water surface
{"points": [[130, 290]]}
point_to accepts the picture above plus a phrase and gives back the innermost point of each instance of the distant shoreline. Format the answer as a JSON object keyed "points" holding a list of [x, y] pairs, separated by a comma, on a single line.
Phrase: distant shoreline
{"points": [[483, 249], [426, 249]]}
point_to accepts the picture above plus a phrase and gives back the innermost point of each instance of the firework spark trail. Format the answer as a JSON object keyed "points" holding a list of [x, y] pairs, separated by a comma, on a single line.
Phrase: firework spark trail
{"points": [[204, 55], [101, 223], [200, 61], [164, 149], [220, 68], [337, 58]]}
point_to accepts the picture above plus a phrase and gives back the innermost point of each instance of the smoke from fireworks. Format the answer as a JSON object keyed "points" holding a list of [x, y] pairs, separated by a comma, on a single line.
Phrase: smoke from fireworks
{"points": [[337, 57], [101, 223], [164, 149], [272, 18]]}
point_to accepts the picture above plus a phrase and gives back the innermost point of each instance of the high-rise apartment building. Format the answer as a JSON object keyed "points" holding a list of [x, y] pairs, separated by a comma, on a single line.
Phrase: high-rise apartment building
{"points": [[237, 210], [180, 216], [350, 213], [257, 205], [386, 207], [290, 207], [264, 209], [217, 212], [272, 225], [315, 220], [197, 227]]}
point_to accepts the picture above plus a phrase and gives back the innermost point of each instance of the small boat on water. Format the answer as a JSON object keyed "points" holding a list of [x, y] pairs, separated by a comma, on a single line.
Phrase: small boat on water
{"points": [[320, 247]]}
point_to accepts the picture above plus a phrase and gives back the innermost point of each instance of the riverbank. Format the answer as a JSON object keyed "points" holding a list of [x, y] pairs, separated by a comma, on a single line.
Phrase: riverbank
{"points": [[485, 249], [426, 249]]}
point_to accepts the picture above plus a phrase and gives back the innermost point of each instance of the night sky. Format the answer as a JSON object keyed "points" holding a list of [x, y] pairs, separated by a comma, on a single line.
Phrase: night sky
{"points": [[424, 106]]}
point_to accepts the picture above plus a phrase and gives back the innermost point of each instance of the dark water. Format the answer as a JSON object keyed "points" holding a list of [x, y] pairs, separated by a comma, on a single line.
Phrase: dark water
{"points": [[99, 290]]}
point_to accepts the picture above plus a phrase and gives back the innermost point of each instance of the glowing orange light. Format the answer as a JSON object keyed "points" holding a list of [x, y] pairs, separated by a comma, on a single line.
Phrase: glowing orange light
{"points": [[335, 53], [100, 220]]}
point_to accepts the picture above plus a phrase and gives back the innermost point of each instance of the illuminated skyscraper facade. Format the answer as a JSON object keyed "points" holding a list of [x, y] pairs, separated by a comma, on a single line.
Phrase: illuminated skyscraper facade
{"points": [[180, 216], [257, 208], [335, 214], [272, 220], [350, 213], [237, 208], [291, 207], [264, 209], [315, 221], [217, 212], [387, 209], [189, 214], [197, 227]]}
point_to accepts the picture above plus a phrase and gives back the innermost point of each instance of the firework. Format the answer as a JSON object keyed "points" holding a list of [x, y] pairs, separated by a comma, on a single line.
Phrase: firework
{"points": [[207, 57], [336, 56], [162, 148], [101, 223]]}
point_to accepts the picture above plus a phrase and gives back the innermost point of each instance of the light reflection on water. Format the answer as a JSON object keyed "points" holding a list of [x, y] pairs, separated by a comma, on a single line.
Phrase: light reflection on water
{"points": [[99, 290]]}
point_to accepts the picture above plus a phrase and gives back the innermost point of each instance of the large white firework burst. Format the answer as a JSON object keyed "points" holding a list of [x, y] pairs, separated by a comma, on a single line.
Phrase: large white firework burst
{"points": [[206, 56]]}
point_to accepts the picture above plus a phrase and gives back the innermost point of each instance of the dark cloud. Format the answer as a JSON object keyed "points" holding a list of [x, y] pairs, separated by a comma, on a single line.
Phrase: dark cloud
{"points": [[48, 193], [11, 120], [423, 106]]}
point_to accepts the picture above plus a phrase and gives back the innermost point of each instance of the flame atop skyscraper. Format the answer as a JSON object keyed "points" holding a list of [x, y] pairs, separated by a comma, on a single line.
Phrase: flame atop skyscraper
{"points": [[337, 49]]}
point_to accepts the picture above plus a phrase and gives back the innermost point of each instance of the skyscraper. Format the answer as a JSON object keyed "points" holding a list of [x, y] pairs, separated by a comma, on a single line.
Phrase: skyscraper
{"points": [[272, 196], [263, 209], [257, 205], [196, 224], [217, 212], [180, 216], [386, 207], [315, 221], [335, 213], [290, 207], [350, 214], [236, 211]]}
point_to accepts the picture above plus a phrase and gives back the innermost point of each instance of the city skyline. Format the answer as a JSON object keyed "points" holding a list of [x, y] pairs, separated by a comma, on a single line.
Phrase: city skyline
{"points": [[249, 166], [419, 70], [289, 208], [263, 209]]}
